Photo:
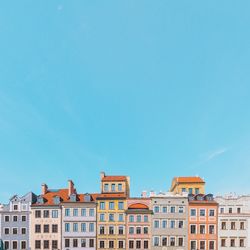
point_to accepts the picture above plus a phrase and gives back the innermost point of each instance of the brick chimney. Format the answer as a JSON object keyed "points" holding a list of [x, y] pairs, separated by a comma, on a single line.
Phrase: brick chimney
{"points": [[44, 189], [102, 174], [71, 187]]}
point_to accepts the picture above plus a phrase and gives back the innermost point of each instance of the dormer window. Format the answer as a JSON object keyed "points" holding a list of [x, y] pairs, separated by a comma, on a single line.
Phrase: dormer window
{"points": [[113, 187], [40, 200], [87, 198], [56, 200], [73, 197]]}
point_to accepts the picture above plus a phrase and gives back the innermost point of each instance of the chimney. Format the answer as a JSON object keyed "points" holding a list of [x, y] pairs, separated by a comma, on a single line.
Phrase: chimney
{"points": [[71, 187], [151, 193], [102, 174], [44, 189], [144, 194]]}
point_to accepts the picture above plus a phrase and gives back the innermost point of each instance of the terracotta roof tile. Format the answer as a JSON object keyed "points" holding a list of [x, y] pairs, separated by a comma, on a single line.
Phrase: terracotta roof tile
{"points": [[138, 206], [190, 179], [114, 178]]}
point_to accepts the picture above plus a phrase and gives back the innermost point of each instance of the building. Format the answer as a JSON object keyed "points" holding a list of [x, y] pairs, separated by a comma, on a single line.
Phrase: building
{"points": [[14, 222], [169, 221], [79, 222], [138, 223], [234, 222], [191, 185], [202, 222], [46, 217], [112, 204]]}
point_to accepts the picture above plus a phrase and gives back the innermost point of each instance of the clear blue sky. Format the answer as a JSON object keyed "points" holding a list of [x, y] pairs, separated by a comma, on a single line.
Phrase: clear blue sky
{"points": [[150, 89]]}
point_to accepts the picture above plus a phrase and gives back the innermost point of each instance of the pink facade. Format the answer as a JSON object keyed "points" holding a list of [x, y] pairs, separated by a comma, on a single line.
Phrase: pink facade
{"points": [[138, 223]]}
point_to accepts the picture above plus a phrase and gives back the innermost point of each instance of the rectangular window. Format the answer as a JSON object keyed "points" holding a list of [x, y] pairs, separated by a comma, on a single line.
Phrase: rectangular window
{"points": [[23, 244], [38, 213], [46, 244], [138, 218], [145, 230], [111, 205], [67, 227], [164, 241], [14, 244], [172, 224], [202, 229], [120, 217], [83, 227], [67, 212], [54, 213], [6, 245], [23, 230], [111, 230], [102, 205], [190, 190], [111, 244], [223, 225], [193, 245], [211, 245], [75, 212], [138, 230], [232, 225], [232, 243], [192, 212], [172, 210], [121, 230], [181, 224], [156, 209], [197, 190], [54, 228], [164, 209], [67, 243], [145, 218], [211, 229], [138, 244], [37, 244], [131, 218], [193, 229], [106, 187], [202, 212], [156, 224], [211, 212], [172, 241], [183, 190], [23, 218], [102, 230], [202, 245], [156, 241], [111, 217], [120, 205], [120, 244], [180, 242], [14, 230], [102, 217], [238, 210], [242, 243], [164, 224], [131, 230], [6, 231], [222, 210], [242, 225], [83, 212], [101, 244], [75, 242], [6, 218], [230, 210], [83, 242], [91, 212], [75, 227], [91, 243], [113, 187], [181, 210], [54, 244], [14, 218], [119, 187], [145, 244], [131, 244], [223, 242], [46, 214], [91, 227], [46, 228], [37, 228]]}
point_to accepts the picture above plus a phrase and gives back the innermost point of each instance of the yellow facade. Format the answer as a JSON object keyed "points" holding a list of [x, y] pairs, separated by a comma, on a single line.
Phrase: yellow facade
{"points": [[191, 185]]}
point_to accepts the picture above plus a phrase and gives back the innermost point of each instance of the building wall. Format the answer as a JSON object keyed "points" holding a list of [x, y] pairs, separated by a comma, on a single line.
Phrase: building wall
{"points": [[161, 235], [197, 220], [84, 234], [234, 212]]}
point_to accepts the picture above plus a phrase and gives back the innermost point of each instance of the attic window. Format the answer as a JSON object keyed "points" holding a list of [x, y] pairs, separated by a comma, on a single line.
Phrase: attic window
{"points": [[73, 197], [56, 200], [87, 198], [40, 200]]}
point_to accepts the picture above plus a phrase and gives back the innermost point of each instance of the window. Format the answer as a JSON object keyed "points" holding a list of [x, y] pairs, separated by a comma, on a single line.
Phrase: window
{"points": [[120, 205], [193, 245], [211, 245], [242, 243], [223, 225], [111, 205], [120, 244], [223, 242], [38, 213], [91, 243], [102, 217], [102, 230], [46, 214], [106, 187], [138, 218], [111, 244], [164, 224], [14, 244], [156, 209], [54, 228], [23, 218], [180, 224], [111, 230], [37, 228], [83, 212], [211, 229], [14, 230], [6, 245], [67, 212], [145, 218], [54, 213], [145, 230], [113, 187], [119, 187], [202, 229], [156, 224], [131, 218], [120, 230], [172, 224], [75, 227], [211, 212], [46, 244], [222, 210], [91, 212], [6, 218], [197, 190], [54, 244], [120, 217], [83, 242], [202, 212], [23, 244], [202, 245], [145, 244], [232, 243], [180, 242], [181, 210], [75, 242], [75, 212], [23, 230], [190, 190], [46, 228], [67, 243], [164, 241], [172, 210], [7, 231], [131, 244], [156, 241], [15, 207], [172, 241], [138, 230], [38, 244], [111, 217], [102, 205], [183, 190], [101, 244], [138, 244], [131, 230], [242, 225], [232, 225], [193, 229], [67, 227], [164, 209], [14, 218], [238, 210], [230, 210], [91, 227], [193, 212]]}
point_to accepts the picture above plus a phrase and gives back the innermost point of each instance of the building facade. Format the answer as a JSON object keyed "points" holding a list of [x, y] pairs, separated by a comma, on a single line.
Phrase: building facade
{"points": [[138, 223], [169, 221], [233, 222], [202, 222], [111, 207], [190, 185], [14, 222], [79, 222]]}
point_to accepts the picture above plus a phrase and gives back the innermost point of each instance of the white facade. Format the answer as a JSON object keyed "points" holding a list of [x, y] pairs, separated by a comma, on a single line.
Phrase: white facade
{"points": [[233, 222]]}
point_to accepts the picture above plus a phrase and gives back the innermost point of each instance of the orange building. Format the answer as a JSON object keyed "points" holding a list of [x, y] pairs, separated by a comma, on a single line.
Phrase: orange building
{"points": [[202, 222]]}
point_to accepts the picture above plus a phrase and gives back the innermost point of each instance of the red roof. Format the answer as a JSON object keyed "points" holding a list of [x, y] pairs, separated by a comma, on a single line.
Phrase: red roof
{"points": [[138, 206], [114, 178], [191, 179]]}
